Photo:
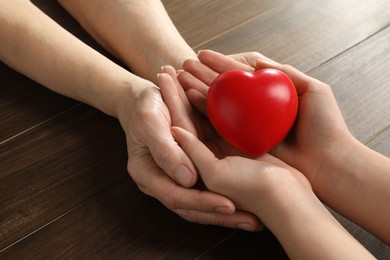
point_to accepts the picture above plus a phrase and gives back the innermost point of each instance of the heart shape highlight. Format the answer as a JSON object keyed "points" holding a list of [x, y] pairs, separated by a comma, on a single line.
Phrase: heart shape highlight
{"points": [[252, 111]]}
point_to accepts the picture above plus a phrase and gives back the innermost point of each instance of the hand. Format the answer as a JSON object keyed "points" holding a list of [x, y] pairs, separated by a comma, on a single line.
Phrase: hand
{"points": [[256, 185], [320, 136], [278, 194], [184, 116], [158, 165]]}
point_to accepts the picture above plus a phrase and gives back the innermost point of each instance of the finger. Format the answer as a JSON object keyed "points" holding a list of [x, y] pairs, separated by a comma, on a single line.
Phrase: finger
{"points": [[154, 182], [200, 155], [189, 81], [198, 100], [156, 135], [239, 220], [249, 58], [171, 71], [221, 63], [301, 81], [200, 71], [178, 198], [178, 106]]}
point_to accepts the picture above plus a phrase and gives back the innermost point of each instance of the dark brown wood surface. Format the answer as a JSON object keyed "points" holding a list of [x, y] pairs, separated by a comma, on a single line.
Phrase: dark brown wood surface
{"points": [[64, 189]]}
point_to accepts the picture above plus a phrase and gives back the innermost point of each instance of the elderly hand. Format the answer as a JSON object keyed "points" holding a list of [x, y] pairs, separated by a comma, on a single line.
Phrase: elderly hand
{"points": [[162, 170]]}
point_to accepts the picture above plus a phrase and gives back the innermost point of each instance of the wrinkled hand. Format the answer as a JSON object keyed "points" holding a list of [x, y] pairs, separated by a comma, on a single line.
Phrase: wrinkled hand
{"points": [[320, 133], [162, 170]]}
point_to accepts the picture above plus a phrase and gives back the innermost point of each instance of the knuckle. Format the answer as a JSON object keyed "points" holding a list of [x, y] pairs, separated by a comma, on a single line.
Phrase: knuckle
{"points": [[220, 221], [187, 215], [197, 217], [256, 54], [164, 159], [318, 86], [288, 67]]}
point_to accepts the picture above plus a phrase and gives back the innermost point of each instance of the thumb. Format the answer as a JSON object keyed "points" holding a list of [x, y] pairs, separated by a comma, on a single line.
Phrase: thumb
{"points": [[171, 158], [200, 155]]}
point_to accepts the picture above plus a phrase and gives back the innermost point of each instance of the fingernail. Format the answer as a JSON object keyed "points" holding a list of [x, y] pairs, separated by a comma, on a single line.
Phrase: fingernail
{"points": [[158, 77], [183, 176], [245, 226], [178, 72]]}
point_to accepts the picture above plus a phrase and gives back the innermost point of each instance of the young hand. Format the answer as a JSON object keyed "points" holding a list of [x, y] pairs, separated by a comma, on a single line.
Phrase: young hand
{"points": [[320, 133], [280, 196], [255, 185], [345, 174]]}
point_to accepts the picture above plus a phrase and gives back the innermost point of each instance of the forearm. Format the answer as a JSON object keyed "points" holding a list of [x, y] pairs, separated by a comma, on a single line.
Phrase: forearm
{"points": [[140, 33], [38, 47], [307, 230], [357, 186]]}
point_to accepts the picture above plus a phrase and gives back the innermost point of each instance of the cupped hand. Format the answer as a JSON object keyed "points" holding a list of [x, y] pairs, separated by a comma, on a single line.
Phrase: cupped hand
{"points": [[162, 170], [263, 186], [320, 136]]}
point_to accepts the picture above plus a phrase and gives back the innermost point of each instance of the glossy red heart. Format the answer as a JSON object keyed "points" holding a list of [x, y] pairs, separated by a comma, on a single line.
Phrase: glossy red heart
{"points": [[252, 111]]}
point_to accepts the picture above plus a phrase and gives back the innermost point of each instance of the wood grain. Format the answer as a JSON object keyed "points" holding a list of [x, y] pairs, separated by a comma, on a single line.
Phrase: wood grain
{"points": [[25, 104], [306, 33], [55, 167], [202, 20], [64, 189], [360, 81], [124, 226]]}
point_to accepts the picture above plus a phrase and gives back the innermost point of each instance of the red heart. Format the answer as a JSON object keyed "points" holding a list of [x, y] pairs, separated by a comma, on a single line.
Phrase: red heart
{"points": [[252, 111]]}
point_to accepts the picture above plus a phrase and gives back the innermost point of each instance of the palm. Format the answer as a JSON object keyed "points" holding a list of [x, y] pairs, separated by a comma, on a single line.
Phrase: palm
{"points": [[318, 128], [197, 87]]}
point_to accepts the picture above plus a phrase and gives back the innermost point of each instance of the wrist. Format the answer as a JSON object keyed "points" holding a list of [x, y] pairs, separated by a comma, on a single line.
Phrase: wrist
{"points": [[340, 171], [307, 230], [357, 188], [132, 95], [335, 158], [104, 90]]}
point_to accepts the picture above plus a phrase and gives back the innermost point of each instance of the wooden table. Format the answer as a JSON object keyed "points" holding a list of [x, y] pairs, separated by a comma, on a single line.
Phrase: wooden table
{"points": [[64, 189]]}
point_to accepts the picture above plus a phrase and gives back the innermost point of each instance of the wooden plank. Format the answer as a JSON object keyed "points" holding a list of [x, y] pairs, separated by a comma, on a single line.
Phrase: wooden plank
{"points": [[118, 224], [25, 104], [64, 190], [306, 33], [381, 143], [360, 81], [56, 167], [201, 20], [246, 245]]}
